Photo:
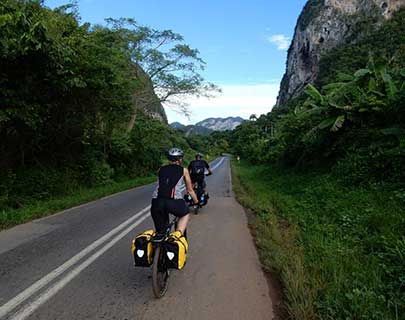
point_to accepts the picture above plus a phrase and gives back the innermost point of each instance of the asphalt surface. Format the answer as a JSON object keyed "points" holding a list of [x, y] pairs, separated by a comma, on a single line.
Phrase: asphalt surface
{"points": [[77, 264]]}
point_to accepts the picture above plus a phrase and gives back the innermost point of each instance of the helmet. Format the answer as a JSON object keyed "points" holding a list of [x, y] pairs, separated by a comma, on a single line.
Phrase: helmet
{"points": [[198, 156], [175, 154]]}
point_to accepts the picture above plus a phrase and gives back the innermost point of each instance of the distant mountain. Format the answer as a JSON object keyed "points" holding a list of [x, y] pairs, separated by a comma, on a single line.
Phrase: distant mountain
{"points": [[221, 124], [203, 131], [177, 125], [209, 125]]}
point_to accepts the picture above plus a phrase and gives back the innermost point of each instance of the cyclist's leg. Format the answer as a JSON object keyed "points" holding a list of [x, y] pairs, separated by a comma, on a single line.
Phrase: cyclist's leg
{"points": [[203, 185], [182, 224], [160, 216], [180, 209], [194, 182]]}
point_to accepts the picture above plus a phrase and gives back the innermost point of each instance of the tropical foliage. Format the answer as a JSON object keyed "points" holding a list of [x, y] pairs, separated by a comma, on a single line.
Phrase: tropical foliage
{"points": [[354, 124], [74, 99], [339, 251], [326, 177]]}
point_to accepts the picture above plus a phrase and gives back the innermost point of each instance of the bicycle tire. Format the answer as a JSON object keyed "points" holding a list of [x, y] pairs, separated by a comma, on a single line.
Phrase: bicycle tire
{"points": [[160, 274]]}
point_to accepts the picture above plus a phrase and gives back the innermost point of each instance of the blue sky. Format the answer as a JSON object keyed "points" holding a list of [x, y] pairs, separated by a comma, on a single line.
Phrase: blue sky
{"points": [[244, 43]]}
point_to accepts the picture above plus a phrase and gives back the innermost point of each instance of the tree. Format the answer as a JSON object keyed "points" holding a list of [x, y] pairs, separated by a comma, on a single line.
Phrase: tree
{"points": [[172, 69], [253, 117]]}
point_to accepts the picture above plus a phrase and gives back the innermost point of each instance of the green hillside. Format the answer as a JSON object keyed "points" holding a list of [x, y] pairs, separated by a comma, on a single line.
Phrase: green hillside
{"points": [[325, 175]]}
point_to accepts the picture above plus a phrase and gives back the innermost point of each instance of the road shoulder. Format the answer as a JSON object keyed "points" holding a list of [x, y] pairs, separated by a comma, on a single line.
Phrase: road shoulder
{"points": [[223, 278]]}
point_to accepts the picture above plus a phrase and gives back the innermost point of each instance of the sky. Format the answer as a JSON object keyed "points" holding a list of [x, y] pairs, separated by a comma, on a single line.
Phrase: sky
{"points": [[243, 42]]}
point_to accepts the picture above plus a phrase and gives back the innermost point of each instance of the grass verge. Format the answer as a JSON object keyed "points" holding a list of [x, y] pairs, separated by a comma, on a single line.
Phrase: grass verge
{"points": [[338, 251], [40, 208]]}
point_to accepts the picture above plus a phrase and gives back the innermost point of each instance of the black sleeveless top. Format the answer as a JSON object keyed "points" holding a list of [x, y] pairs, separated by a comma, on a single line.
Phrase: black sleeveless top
{"points": [[170, 183]]}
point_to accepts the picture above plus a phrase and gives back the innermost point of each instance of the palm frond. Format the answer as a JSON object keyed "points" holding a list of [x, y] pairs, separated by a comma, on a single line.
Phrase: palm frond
{"points": [[389, 83], [327, 123], [398, 132], [314, 93], [361, 73], [330, 88], [344, 77], [338, 124]]}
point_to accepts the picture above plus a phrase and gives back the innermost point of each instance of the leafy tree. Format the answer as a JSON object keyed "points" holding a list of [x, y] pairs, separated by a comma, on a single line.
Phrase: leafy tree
{"points": [[172, 69], [253, 117], [68, 91]]}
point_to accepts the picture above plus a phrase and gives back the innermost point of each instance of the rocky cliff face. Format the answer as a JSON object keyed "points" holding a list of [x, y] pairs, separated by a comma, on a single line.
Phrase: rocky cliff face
{"points": [[323, 25], [145, 98]]}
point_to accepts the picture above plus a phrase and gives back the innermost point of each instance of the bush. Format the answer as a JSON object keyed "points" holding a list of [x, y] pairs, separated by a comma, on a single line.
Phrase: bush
{"points": [[33, 184], [372, 166], [99, 173]]}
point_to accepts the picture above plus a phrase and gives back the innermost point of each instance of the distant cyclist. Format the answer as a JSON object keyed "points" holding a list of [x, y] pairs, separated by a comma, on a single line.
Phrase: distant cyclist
{"points": [[173, 181], [197, 171]]}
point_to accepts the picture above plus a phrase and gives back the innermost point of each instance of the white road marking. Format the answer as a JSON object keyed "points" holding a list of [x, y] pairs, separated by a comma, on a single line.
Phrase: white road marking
{"points": [[51, 291], [27, 293], [218, 164]]}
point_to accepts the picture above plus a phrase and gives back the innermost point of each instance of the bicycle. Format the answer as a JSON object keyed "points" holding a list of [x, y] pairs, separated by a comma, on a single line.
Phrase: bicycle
{"points": [[201, 196], [160, 271]]}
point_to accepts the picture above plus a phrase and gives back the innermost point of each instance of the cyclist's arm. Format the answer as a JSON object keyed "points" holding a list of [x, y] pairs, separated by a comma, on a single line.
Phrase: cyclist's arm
{"points": [[207, 166], [189, 166], [189, 186]]}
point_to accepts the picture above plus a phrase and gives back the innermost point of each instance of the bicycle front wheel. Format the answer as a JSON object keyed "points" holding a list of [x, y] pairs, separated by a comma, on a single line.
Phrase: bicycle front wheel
{"points": [[160, 274]]}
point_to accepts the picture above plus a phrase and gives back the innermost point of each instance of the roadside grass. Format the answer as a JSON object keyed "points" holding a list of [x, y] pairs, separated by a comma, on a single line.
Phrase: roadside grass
{"points": [[338, 251], [40, 193], [40, 208]]}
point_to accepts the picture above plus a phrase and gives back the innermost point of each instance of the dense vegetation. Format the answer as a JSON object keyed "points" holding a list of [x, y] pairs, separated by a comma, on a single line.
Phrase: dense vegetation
{"points": [[327, 180], [74, 100], [339, 251], [355, 122]]}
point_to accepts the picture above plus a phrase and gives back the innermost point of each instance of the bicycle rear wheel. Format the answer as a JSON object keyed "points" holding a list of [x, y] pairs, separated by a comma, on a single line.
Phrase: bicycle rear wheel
{"points": [[160, 274]]}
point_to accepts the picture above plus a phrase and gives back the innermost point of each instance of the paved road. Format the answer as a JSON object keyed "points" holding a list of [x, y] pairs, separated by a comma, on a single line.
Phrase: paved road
{"points": [[77, 264]]}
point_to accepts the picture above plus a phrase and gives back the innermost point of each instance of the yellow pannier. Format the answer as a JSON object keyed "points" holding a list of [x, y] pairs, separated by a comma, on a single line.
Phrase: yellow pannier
{"points": [[175, 248], [143, 249]]}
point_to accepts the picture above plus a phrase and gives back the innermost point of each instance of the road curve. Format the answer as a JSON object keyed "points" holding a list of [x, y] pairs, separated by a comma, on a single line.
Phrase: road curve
{"points": [[77, 264]]}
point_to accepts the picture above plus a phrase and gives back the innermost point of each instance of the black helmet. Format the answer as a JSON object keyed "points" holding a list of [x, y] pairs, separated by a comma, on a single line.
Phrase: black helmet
{"points": [[175, 154], [198, 156]]}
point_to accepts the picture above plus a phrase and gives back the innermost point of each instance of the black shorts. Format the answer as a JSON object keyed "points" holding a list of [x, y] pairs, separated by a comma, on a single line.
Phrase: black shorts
{"points": [[161, 208], [200, 180]]}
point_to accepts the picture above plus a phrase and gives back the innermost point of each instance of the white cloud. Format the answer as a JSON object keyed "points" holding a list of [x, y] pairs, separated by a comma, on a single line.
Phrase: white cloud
{"points": [[281, 41], [235, 100]]}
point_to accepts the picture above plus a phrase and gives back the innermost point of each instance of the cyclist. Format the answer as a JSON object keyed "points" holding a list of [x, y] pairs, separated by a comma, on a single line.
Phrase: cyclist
{"points": [[167, 198], [197, 171]]}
